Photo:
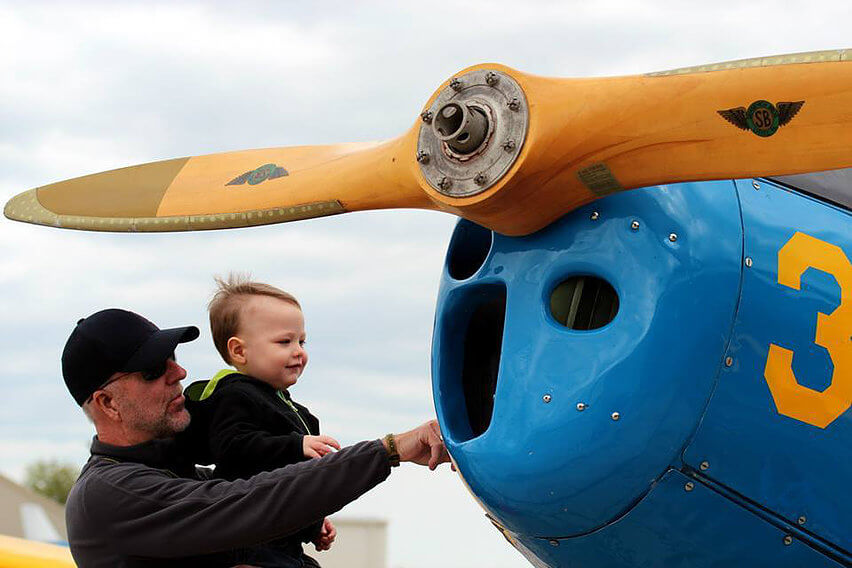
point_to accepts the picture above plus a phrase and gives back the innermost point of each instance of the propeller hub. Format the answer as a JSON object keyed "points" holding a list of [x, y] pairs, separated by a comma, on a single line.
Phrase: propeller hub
{"points": [[463, 128], [477, 127]]}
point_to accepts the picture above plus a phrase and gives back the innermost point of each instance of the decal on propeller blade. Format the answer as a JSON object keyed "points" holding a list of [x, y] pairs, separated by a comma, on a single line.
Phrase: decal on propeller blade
{"points": [[599, 179], [258, 175], [762, 117]]}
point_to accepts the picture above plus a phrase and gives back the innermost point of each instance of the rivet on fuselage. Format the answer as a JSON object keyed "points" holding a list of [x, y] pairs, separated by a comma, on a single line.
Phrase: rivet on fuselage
{"points": [[788, 540], [748, 261], [689, 486], [729, 361], [755, 185], [705, 465], [802, 520], [554, 542], [672, 237], [546, 398], [634, 225], [615, 415], [581, 406], [595, 216]]}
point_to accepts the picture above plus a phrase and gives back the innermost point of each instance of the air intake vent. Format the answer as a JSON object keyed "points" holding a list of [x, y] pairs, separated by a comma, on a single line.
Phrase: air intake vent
{"points": [[584, 302], [483, 342]]}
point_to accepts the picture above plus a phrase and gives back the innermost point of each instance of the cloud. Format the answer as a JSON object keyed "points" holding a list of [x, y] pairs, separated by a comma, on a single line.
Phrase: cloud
{"points": [[99, 85]]}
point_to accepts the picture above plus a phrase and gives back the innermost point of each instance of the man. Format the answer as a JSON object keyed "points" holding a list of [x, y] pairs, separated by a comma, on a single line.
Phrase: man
{"points": [[139, 503]]}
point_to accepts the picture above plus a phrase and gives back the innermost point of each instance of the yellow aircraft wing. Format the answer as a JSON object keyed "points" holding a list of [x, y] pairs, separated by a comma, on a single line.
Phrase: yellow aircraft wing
{"points": [[20, 553]]}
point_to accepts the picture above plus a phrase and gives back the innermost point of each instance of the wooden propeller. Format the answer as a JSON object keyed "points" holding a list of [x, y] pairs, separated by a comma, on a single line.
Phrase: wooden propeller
{"points": [[507, 150]]}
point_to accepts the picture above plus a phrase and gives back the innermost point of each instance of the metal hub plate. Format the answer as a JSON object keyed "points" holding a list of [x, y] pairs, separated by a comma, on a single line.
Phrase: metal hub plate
{"points": [[456, 175]]}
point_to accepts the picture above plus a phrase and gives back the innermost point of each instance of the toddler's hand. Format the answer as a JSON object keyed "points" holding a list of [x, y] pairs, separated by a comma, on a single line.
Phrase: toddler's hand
{"points": [[318, 446], [326, 536]]}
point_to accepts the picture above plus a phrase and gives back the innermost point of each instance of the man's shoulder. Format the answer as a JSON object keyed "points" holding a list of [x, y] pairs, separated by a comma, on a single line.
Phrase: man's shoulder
{"points": [[101, 482]]}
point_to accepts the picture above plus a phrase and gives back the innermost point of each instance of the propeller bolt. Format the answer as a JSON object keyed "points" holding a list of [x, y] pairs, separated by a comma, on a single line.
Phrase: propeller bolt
{"points": [[423, 157], [689, 486], [514, 104], [480, 179], [456, 84], [491, 78], [672, 237], [546, 398], [788, 540], [634, 225], [595, 216], [445, 183], [426, 116], [615, 415], [509, 145]]}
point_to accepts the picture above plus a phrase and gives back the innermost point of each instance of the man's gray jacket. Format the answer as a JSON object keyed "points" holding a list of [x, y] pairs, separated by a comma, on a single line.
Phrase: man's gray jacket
{"points": [[144, 506]]}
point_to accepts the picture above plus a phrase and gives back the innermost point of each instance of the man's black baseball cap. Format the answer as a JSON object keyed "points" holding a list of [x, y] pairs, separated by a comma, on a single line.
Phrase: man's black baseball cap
{"points": [[114, 341]]}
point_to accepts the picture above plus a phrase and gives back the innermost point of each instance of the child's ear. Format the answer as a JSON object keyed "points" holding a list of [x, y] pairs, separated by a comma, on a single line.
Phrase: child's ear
{"points": [[236, 351]]}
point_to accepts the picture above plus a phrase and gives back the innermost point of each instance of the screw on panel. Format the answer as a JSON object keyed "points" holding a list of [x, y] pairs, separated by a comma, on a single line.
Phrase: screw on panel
{"points": [[581, 406], [748, 262], [445, 183], [802, 520], [546, 398], [426, 116], [514, 104], [729, 361], [615, 415], [456, 84], [509, 145], [689, 486], [480, 179], [788, 540], [491, 78], [634, 225], [595, 216], [755, 185], [672, 237], [704, 466], [554, 542], [423, 157]]}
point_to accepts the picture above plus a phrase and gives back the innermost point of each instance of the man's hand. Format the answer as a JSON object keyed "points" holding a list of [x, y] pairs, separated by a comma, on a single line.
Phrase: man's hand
{"points": [[422, 446], [325, 537], [318, 446]]}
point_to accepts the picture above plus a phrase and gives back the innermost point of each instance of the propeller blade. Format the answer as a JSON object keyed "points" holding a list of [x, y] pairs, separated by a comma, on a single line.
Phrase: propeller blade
{"points": [[507, 150], [591, 137], [234, 189]]}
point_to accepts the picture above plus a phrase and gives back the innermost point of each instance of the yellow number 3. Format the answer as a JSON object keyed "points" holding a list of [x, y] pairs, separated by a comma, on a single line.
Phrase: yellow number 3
{"points": [[832, 332]]}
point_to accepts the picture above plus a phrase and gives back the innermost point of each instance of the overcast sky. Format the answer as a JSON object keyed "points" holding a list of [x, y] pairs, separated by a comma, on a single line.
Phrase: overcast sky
{"points": [[102, 85]]}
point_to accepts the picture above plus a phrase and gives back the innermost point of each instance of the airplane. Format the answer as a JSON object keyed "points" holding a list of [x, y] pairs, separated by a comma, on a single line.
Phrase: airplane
{"points": [[642, 352]]}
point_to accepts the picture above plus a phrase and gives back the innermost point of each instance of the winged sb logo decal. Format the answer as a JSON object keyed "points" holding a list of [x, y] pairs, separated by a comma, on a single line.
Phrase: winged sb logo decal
{"points": [[258, 175], [762, 117]]}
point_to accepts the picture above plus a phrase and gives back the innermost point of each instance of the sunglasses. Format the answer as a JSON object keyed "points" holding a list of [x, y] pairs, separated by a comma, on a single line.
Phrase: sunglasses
{"points": [[150, 374], [157, 371]]}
